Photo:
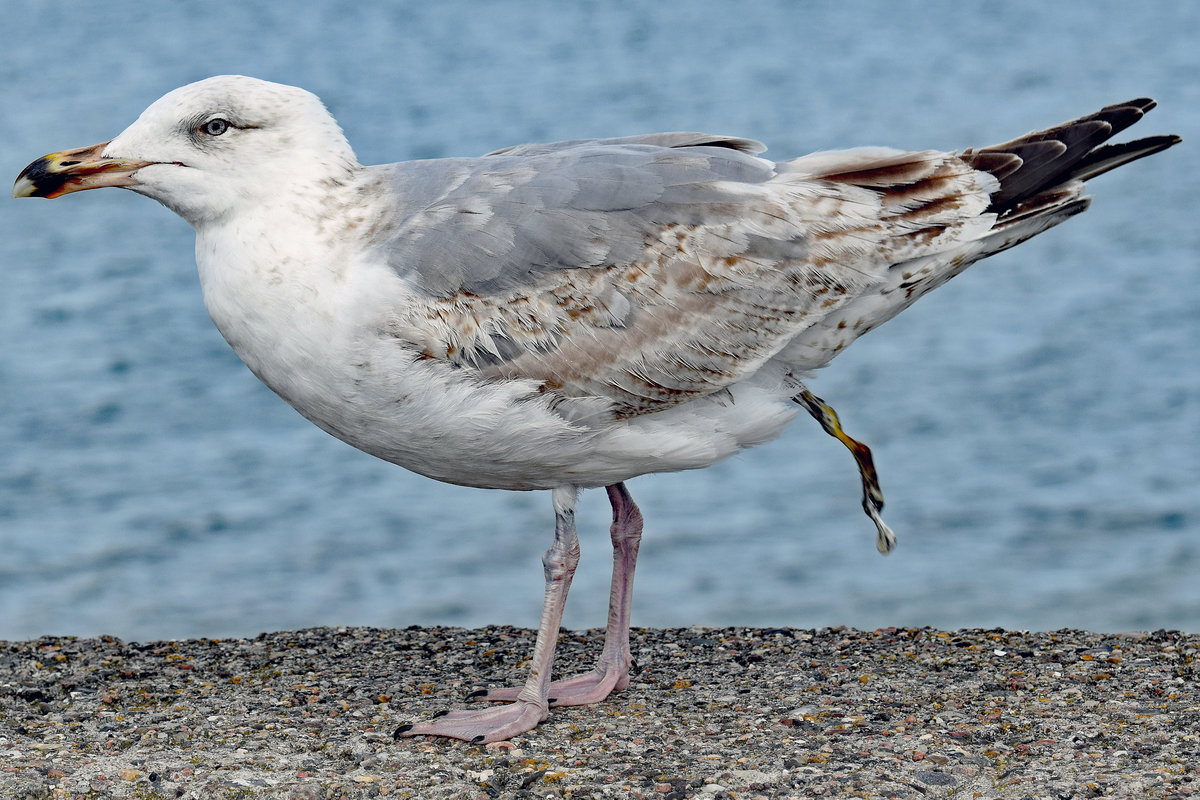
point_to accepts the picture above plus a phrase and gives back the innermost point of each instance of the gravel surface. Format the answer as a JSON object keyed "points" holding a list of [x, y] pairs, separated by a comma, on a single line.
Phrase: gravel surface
{"points": [[710, 713]]}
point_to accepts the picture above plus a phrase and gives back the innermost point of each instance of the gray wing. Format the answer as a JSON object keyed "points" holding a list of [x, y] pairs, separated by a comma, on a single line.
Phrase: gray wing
{"points": [[644, 272], [646, 275], [490, 224]]}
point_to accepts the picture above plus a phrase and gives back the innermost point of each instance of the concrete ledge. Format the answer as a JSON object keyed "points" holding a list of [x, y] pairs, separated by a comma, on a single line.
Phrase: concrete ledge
{"points": [[711, 713]]}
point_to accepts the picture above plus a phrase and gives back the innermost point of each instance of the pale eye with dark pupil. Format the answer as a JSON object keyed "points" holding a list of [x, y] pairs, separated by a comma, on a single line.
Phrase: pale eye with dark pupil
{"points": [[215, 127]]}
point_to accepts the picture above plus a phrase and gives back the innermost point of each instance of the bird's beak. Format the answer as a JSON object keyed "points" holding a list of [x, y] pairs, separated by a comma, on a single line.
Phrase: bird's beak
{"points": [[75, 170]]}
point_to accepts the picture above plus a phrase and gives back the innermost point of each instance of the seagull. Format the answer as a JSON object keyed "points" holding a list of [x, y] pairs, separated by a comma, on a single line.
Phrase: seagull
{"points": [[569, 315]]}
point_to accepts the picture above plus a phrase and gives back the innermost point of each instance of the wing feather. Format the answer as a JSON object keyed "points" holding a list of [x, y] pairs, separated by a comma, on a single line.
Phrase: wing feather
{"points": [[650, 275], [648, 271]]}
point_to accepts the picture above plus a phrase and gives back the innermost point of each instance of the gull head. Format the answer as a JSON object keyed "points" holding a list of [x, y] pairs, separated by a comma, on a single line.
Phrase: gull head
{"points": [[207, 149]]}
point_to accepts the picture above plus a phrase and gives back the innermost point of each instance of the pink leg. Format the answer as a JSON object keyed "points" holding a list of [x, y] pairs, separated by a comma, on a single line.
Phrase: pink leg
{"points": [[530, 704], [612, 669]]}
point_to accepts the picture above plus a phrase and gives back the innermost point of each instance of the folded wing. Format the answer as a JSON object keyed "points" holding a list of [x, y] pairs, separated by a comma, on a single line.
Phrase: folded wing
{"points": [[648, 271]]}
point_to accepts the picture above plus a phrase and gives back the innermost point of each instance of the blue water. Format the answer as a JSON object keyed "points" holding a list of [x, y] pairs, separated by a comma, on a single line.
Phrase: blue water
{"points": [[1036, 422]]}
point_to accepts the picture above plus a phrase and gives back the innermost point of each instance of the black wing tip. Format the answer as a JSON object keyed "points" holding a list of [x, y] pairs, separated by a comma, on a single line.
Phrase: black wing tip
{"points": [[1032, 164]]}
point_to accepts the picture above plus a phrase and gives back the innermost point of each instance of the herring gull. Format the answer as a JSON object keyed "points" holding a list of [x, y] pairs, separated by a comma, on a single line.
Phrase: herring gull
{"points": [[568, 315]]}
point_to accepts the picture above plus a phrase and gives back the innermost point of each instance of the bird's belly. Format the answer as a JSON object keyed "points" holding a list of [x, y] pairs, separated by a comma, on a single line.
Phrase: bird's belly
{"points": [[445, 423]]}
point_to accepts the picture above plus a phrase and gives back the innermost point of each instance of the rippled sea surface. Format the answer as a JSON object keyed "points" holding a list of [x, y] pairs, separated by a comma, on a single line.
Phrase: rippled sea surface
{"points": [[1036, 422]]}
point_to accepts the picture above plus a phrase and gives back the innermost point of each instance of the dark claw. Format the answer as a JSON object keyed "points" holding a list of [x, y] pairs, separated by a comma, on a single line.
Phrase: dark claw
{"points": [[441, 713], [401, 730], [477, 693]]}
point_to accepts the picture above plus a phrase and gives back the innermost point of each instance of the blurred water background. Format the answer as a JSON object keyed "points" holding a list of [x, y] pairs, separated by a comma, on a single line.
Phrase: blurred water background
{"points": [[1036, 422]]}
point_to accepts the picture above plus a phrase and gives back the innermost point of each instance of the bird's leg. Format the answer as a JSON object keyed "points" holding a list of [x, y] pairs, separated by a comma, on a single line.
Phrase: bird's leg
{"points": [[872, 502], [612, 669], [530, 703]]}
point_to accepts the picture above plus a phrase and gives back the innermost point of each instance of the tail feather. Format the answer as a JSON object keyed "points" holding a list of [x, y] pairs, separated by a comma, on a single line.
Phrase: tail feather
{"points": [[1074, 151]]}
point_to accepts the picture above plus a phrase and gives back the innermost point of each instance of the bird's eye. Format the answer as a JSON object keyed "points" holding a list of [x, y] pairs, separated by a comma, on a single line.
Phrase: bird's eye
{"points": [[215, 127]]}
